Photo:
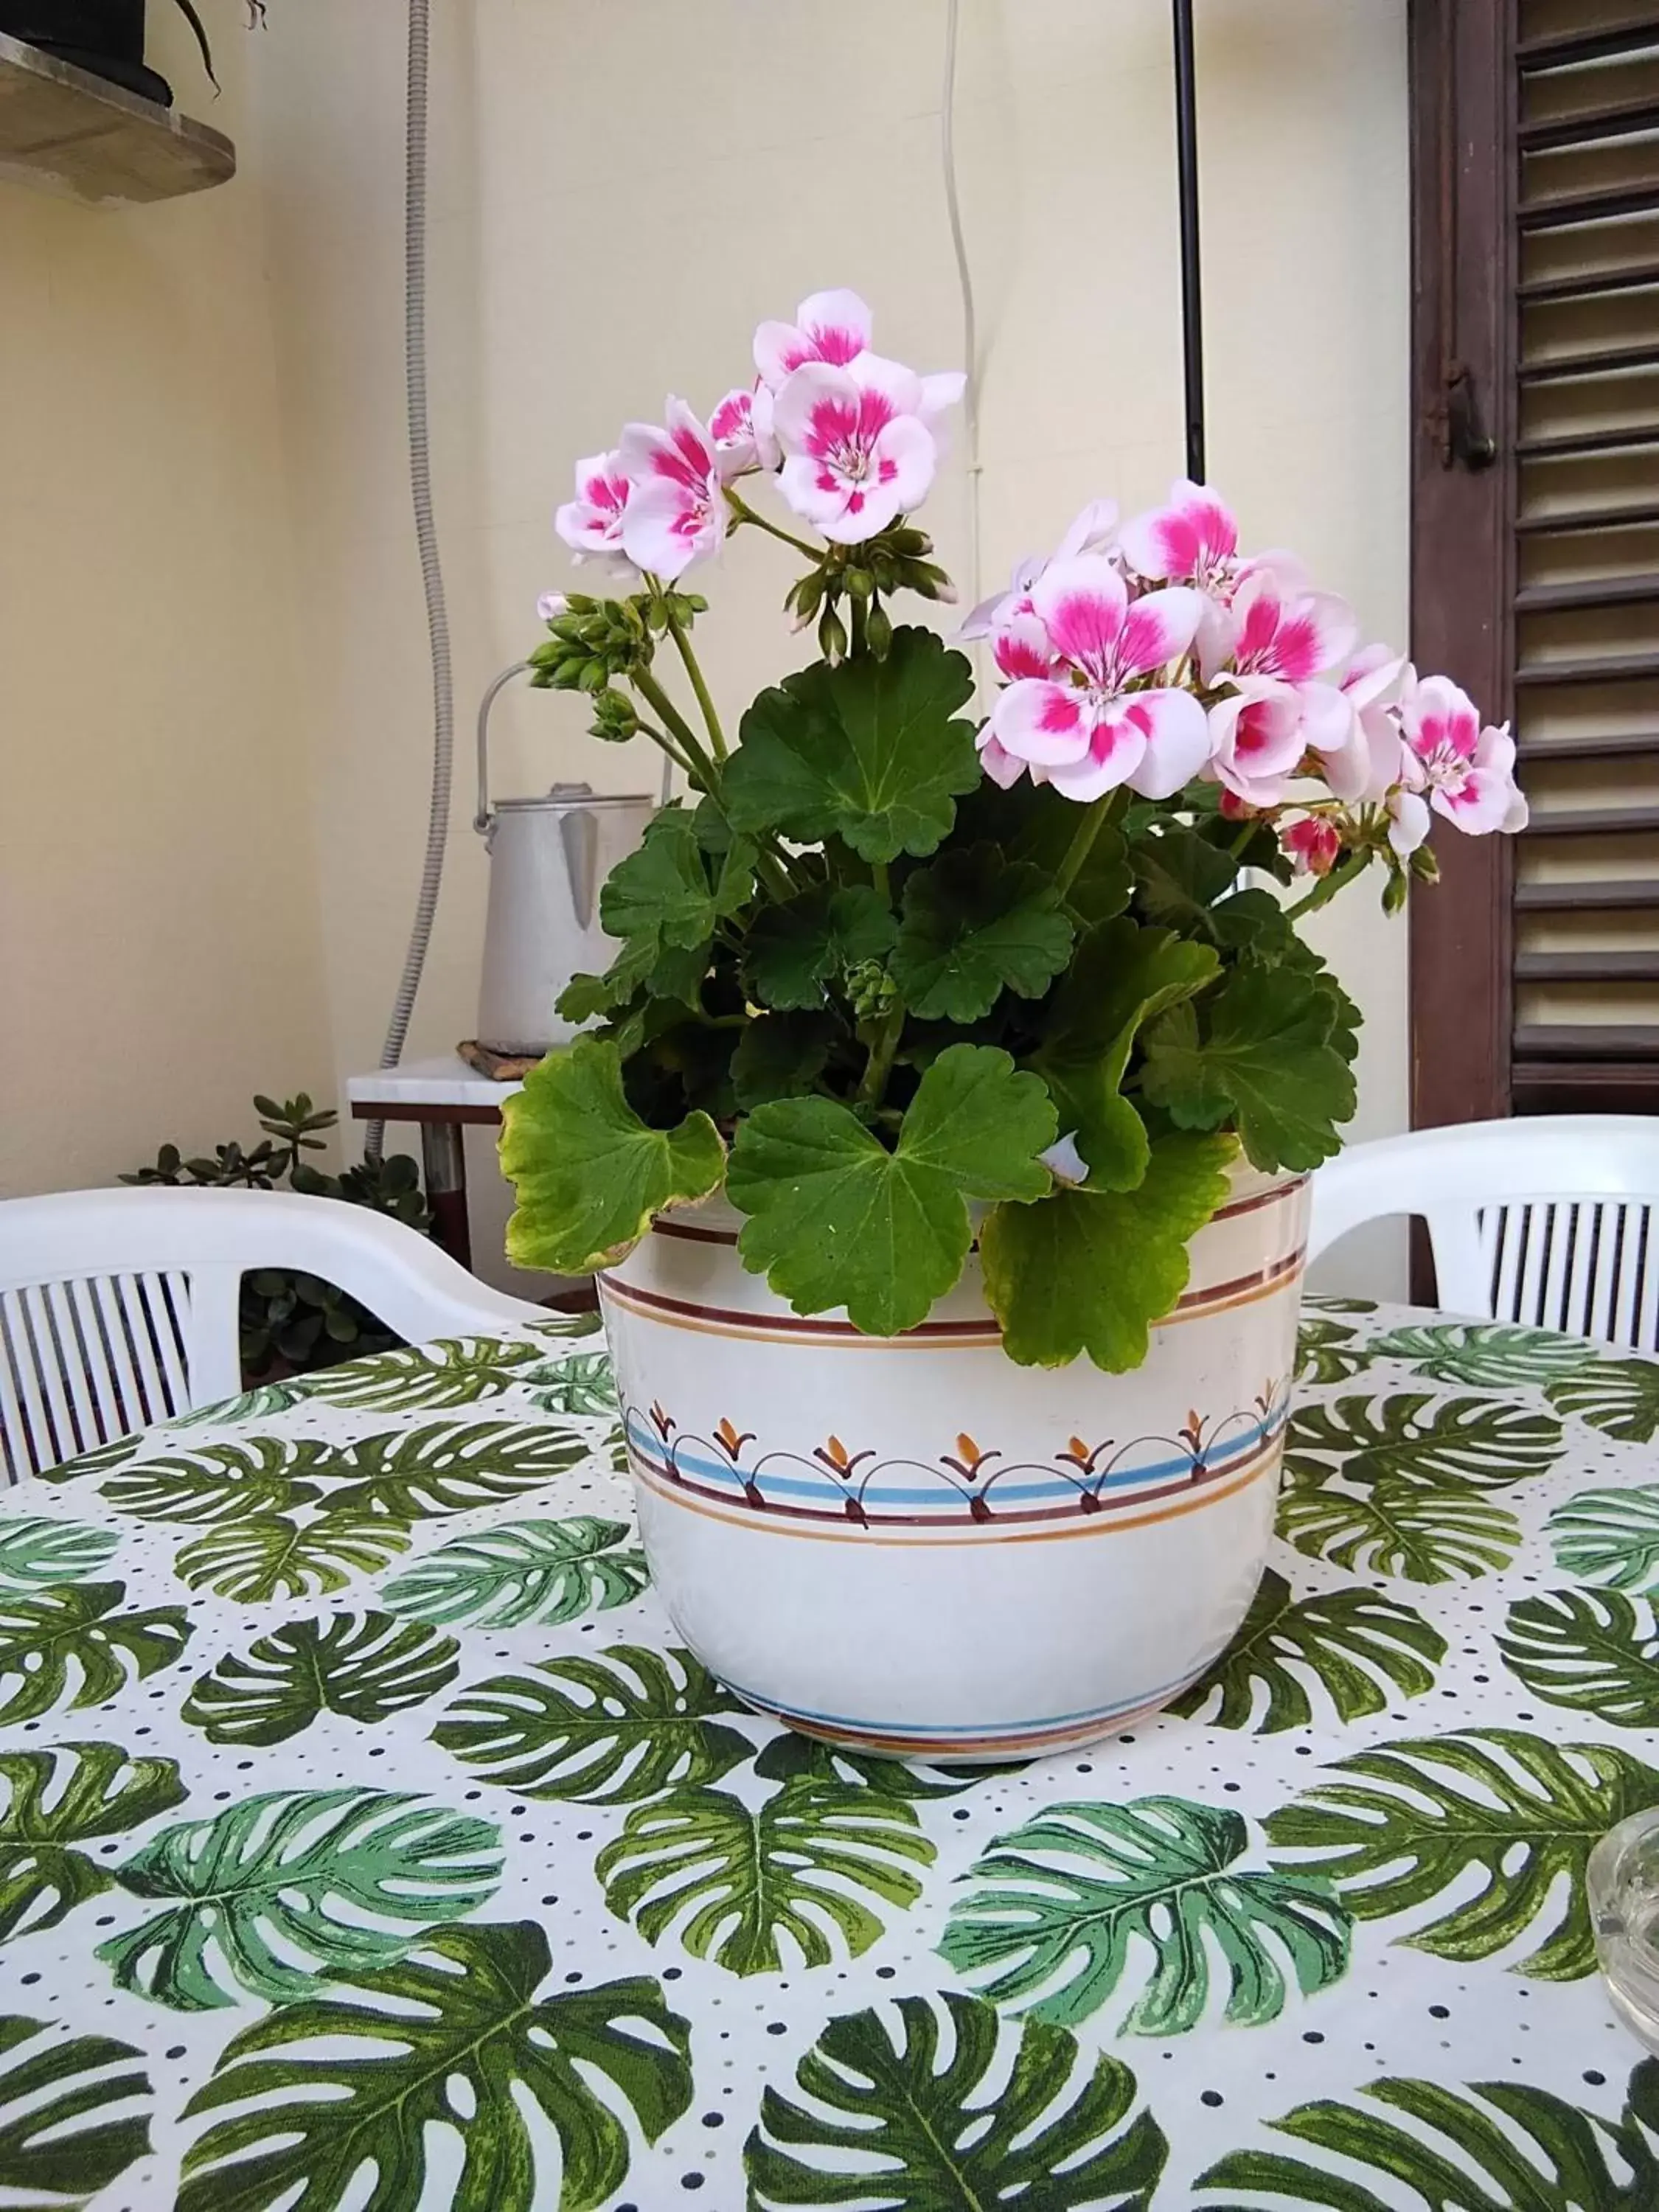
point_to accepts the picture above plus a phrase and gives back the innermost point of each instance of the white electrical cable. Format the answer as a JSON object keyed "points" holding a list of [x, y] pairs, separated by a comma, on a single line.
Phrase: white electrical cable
{"points": [[970, 321], [420, 479]]}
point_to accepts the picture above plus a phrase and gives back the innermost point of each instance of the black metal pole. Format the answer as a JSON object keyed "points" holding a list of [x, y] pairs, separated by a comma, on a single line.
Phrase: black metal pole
{"points": [[1192, 302]]}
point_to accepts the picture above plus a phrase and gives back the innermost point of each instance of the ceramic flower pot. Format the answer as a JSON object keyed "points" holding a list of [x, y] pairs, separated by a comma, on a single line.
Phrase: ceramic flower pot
{"points": [[911, 1545]]}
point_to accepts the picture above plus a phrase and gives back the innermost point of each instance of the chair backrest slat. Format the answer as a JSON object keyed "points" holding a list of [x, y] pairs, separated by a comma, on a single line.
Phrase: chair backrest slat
{"points": [[1552, 1222], [120, 1308]]}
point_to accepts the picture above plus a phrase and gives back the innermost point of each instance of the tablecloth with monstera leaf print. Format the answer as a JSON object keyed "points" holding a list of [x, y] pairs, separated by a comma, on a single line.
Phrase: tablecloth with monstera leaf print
{"points": [[366, 1841]]}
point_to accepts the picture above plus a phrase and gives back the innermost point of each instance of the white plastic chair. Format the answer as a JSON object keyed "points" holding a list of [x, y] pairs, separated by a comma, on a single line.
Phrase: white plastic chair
{"points": [[118, 1307], [1550, 1220]]}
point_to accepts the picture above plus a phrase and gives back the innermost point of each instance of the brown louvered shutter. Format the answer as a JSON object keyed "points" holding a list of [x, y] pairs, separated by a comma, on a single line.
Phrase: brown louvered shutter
{"points": [[1535, 552]]}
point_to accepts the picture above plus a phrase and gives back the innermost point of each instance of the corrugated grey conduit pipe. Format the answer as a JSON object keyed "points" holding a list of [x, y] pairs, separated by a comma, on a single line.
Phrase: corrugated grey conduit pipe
{"points": [[432, 579]]}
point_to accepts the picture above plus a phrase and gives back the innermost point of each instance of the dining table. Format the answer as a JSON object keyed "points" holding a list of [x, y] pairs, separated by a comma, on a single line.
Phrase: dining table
{"points": [[370, 1843]]}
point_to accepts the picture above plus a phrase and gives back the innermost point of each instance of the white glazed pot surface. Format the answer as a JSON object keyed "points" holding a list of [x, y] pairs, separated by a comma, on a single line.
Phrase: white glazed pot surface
{"points": [[910, 1545]]}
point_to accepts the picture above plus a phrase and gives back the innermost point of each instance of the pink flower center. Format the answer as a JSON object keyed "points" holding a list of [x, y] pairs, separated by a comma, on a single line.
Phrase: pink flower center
{"points": [[844, 437]]}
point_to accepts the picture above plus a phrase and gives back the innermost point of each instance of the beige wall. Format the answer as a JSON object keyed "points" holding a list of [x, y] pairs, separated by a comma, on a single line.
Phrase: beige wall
{"points": [[160, 952], [620, 189]]}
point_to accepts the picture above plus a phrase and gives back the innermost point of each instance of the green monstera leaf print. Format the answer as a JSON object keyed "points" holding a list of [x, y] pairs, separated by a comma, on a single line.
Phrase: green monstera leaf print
{"points": [[74, 1794], [1485, 1355], [70, 2117], [1419, 1532], [1016, 2115], [224, 1482], [255, 1405], [1419, 1438], [35, 1550], [363, 1666], [1492, 2147], [269, 1556], [1329, 1351], [69, 1645], [457, 2038], [1086, 1895], [452, 1371], [1620, 1397], [606, 1729], [99, 1461], [788, 1755], [581, 1382], [523, 1572], [294, 1876], [731, 1881], [1609, 1536], [1413, 1824], [1355, 1646], [1591, 1650], [449, 1466]]}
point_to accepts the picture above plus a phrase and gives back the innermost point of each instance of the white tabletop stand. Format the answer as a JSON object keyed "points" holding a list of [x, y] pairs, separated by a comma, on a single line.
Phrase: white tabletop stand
{"points": [[442, 1096]]}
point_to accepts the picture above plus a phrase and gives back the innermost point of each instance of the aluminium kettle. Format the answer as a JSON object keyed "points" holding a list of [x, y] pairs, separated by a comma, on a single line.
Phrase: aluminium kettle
{"points": [[548, 858]]}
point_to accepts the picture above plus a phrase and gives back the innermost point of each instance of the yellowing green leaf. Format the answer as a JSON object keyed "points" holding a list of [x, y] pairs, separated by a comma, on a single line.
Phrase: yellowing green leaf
{"points": [[836, 1219], [1091, 1271], [588, 1172]]}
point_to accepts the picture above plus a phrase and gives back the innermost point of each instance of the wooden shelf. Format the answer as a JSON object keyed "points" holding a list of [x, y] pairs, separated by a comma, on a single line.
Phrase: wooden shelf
{"points": [[63, 132]]}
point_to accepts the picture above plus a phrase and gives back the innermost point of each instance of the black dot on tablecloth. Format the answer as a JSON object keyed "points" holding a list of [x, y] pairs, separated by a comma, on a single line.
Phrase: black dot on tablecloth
{"points": [[1230, 1785], [1313, 2035], [673, 1973], [885, 1973], [1439, 2012], [550, 1900], [27, 1979], [691, 2180], [174, 2051], [575, 1975], [776, 2028], [1595, 2079], [714, 2119], [1211, 2097]]}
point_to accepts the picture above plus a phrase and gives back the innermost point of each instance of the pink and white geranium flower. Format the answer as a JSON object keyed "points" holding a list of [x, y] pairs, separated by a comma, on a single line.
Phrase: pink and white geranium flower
{"points": [[832, 327], [1466, 771], [1312, 844], [1258, 740], [592, 523], [1193, 540], [1093, 531], [1082, 725], [1364, 770], [857, 453], [741, 428], [674, 513]]}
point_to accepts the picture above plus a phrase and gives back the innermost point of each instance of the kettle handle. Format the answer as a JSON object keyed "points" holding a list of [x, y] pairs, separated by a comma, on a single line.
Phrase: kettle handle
{"points": [[481, 817]]}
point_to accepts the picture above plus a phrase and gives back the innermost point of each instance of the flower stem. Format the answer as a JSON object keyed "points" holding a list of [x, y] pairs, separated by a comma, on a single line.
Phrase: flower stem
{"points": [[744, 513], [704, 773], [1083, 841], [716, 735], [1327, 886], [882, 1053]]}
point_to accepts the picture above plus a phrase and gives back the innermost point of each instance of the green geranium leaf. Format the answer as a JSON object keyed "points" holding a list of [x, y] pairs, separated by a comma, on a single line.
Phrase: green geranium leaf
{"points": [[663, 892], [1408, 1824], [793, 950], [731, 1879], [589, 1174], [584, 998], [1120, 977], [975, 926], [1091, 1271], [953, 2110], [307, 2099], [780, 1056], [869, 750], [1180, 876], [1260, 1056], [836, 1219], [1079, 1897]]}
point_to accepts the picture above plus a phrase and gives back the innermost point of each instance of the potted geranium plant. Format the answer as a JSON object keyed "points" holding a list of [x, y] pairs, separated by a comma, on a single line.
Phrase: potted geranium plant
{"points": [[956, 1419]]}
